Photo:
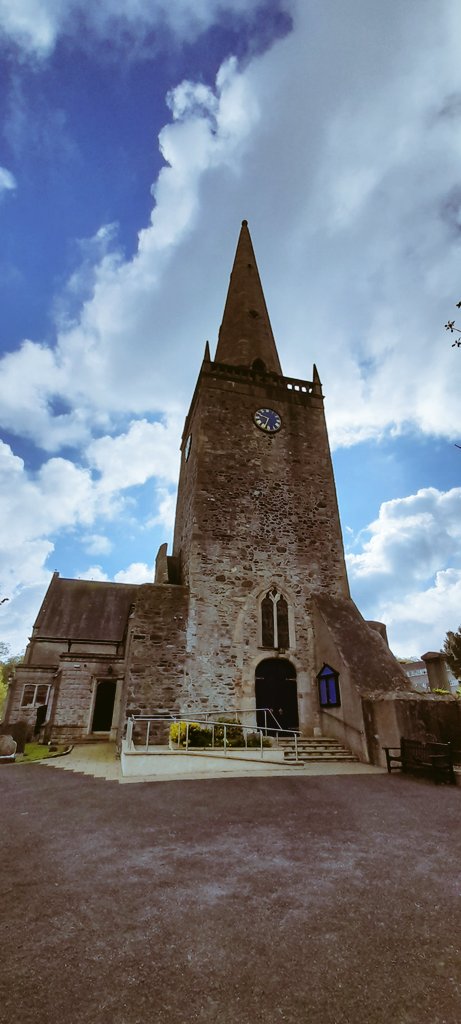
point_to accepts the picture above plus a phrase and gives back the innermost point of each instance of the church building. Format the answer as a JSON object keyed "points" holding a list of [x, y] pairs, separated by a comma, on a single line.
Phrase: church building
{"points": [[252, 609]]}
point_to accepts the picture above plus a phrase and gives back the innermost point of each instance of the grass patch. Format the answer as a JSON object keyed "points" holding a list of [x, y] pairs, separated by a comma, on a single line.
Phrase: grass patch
{"points": [[38, 751]]}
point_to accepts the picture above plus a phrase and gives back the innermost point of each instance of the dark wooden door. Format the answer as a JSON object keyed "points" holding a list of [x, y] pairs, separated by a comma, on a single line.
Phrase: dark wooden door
{"points": [[276, 689], [104, 706]]}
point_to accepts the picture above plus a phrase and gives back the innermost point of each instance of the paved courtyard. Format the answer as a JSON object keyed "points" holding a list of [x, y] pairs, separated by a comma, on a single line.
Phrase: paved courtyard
{"points": [[327, 900]]}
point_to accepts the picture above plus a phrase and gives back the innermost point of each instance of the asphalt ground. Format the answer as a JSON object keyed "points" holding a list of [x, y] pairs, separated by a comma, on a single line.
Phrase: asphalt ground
{"points": [[325, 900]]}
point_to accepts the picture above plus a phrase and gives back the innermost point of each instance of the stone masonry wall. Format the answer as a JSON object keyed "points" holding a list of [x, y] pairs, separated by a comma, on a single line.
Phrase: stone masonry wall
{"points": [[270, 493], [71, 701], [417, 716], [155, 651], [254, 511], [72, 712], [13, 711]]}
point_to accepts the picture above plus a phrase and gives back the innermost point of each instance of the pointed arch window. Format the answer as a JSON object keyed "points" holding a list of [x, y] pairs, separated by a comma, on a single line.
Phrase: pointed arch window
{"points": [[274, 621], [329, 695]]}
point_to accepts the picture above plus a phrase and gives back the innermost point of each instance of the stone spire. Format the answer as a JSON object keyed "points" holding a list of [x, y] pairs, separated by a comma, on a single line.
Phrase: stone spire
{"points": [[245, 334]]}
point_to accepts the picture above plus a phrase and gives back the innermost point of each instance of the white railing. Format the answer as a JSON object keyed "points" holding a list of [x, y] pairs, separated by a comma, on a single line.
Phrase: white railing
{"points": [[194, 716], [268, 713], [204, 721]]}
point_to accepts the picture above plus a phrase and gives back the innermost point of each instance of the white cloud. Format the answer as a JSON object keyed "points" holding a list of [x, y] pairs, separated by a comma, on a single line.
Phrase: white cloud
{"points": [[137, 572], [131, 348], [7, 181], [341, 144], [350, 179], [412, 535], [94, 572], [97, 544], [33, 505], [35, 25], [17, 617], [166, 505], [37, 508], [30, 378], [420, 621], [62, 495], [146, 450], [408, 573], [23, 564]]}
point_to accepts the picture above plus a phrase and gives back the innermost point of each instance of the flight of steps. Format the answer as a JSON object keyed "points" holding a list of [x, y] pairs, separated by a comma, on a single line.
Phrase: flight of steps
{"points": [[315, 748]]}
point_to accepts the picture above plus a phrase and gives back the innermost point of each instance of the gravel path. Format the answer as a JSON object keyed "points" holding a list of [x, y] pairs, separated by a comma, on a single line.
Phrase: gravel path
{"points": [[325, 900]]}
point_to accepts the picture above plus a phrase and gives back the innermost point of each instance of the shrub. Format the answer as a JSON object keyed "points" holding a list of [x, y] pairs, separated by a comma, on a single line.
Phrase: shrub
{"points": [[253, 740], [234, 733], [199, 736], [202, 736]]}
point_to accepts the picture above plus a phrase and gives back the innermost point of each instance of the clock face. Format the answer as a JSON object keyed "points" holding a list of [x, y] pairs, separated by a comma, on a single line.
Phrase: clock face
{"points": [[268, 420], [187, 448]]}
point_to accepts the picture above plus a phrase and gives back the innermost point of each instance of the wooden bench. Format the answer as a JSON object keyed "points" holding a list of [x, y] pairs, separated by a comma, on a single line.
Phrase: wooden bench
{"points": [[433, 759]]}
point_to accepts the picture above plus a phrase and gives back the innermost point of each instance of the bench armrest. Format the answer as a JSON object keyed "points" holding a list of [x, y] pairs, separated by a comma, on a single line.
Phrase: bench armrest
{"points": [[393, 754]]}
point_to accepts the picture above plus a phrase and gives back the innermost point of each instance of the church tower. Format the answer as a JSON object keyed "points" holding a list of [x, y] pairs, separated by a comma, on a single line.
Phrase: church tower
{"points": [[256, 498], [251, 614], [257, 536]]}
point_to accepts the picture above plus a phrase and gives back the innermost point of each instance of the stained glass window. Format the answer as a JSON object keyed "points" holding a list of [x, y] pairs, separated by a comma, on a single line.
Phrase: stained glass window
{"points": [[329, 695]]}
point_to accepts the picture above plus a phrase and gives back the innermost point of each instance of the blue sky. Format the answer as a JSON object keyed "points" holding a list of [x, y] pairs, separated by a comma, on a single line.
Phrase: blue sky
{"points": [[134, 139]]}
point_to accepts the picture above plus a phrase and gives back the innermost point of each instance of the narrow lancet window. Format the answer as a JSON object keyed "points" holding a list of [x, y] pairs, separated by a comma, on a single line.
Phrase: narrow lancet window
{"points": [[267, 621], [282, 623], [274, 621]]}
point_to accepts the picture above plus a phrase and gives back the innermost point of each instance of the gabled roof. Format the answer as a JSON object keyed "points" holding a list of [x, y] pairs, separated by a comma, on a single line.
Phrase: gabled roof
{"points": [[85, 610]]}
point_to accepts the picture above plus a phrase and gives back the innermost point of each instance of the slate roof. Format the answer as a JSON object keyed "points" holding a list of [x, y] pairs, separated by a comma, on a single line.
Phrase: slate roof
{"points": [[85, 610]]}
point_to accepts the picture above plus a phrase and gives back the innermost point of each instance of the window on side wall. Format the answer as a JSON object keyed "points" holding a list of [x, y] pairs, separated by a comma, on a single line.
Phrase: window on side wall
{"points": [[34, 695], [329, 693]]}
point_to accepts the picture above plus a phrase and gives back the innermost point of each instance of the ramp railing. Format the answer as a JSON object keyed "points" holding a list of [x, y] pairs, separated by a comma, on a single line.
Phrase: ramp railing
{"points": [[218, 733]]}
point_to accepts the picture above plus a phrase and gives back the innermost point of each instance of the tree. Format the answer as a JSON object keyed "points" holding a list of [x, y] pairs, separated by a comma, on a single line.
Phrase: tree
{"points": [[451, 326], [7, 666], [452, 651]]}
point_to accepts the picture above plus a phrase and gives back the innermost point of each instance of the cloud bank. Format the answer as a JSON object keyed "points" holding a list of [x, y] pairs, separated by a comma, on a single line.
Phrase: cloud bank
{"points": [[407, 571], [35, 25], [341, 144]]}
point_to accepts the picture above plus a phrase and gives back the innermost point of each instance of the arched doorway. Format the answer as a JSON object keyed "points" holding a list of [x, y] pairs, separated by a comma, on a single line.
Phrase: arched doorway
{"points": [[104, 706], [276, 689]]}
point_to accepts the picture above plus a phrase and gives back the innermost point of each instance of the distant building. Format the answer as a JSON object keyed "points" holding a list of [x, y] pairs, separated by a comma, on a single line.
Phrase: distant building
{"points": [[416, 672], [439, 673]]}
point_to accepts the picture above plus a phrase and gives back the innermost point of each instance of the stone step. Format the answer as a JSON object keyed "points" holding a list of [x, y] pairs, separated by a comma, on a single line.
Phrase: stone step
{"points": [[316, 748], [312, 746], [316, 752], [310, 740], [326, 759]]}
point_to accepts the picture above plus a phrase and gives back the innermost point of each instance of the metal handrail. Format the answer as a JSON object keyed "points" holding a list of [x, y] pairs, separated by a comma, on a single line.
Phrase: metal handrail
{"points": [[192, 715], [346, 725], [169, 718]]}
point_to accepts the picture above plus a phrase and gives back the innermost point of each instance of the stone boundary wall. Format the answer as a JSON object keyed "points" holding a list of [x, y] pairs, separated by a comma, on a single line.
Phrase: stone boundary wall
{"points": [[424, 716]]}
